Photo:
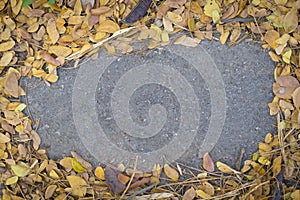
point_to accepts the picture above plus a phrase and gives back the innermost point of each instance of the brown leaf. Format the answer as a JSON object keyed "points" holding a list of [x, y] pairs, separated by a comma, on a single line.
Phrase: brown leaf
{"points": [[285, 86], [208, 163], [50, 191], [36, 139], [190, 194], [49, 59], [296, 97], [11, 84], [101, 10], [111, 177], [78, 185], [36, 13]]}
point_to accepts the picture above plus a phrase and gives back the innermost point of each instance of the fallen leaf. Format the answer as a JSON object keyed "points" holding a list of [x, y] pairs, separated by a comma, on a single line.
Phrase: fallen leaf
{"points": [[290, 21], [99, 173], [111, 177], [6, 58], [108, 26], [6, 46], [190, 194], [66, 163], [208, 163], [285, 86], [52, 31], [77, 166], [50, 191], [171, 172], [12, 180], [276, 166], [296, 97], [225, 168], [78, 185], [4, 139], [21, 169]]}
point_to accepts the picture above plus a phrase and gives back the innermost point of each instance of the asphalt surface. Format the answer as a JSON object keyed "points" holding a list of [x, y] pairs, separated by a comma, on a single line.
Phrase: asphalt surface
{"points": [[209, 98]]}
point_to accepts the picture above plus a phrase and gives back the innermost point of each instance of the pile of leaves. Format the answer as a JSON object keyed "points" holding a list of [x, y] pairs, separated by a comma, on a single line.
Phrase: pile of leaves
{"points": [[38, 38]]}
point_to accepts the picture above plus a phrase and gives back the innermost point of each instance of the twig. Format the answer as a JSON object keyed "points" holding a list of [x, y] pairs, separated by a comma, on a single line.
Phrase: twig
{"points": [[141, 191], [131, 178], [77, 54]]}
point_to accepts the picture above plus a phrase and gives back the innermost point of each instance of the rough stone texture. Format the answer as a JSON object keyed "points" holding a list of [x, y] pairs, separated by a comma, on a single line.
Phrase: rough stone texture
{"points": [[247, 72]]}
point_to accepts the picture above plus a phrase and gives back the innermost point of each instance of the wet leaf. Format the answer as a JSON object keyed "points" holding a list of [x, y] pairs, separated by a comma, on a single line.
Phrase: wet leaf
{"points": [[171, 172]]}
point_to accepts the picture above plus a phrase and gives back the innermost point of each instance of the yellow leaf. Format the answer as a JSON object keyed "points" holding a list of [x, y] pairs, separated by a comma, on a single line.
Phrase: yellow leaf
{"points": [[77, 166], [225, 168], [295, 195], [173, 17], [78, 185], [53, 174], [276, 167], [171, 173], [264, 161], [51, 78], [60, 50], [20, 107], [66, 163], [21, 169], [5, 46], [212, 9], [11, 180], [6, 58], [191, 24], [4, 138], [286, 57], [99, 173], [108, 26], [52, 31], [215, 16], [202, 194]]}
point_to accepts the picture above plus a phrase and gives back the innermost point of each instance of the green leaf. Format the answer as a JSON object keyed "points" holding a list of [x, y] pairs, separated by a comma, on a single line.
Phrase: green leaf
{"points": [[50, 2], [26, 3]]}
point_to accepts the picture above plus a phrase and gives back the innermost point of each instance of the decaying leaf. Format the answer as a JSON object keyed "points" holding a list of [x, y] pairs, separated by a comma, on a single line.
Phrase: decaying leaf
{"points": [[111, 177], [285, 86]]}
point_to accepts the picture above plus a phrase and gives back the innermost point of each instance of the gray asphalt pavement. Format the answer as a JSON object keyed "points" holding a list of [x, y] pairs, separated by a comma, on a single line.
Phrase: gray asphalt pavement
{"points": [[140, 104]]}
